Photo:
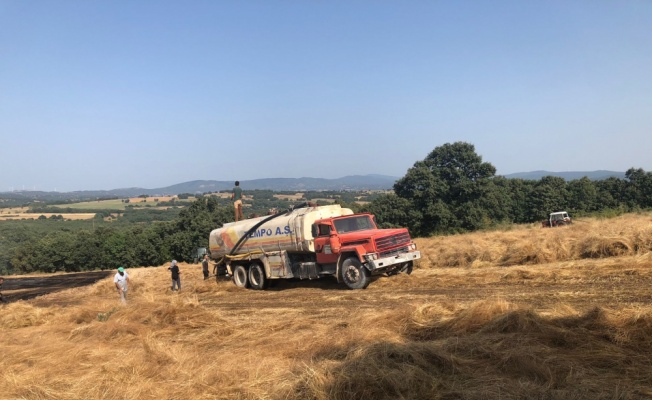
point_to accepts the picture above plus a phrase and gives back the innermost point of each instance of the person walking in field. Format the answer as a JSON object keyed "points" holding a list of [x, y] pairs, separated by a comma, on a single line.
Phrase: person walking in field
{"points": [[204, 266], [121, 279], [176, 280], [236, 196]]}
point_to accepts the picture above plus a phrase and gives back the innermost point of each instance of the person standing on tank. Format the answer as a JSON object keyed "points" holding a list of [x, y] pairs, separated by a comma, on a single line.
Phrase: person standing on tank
{"points": [[236, 196]]}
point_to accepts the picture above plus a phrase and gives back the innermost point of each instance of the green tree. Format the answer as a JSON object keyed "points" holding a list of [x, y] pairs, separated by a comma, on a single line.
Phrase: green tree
{"points": [[23, 258], [193, 226], [447, 188], [392, 211], [582, 196], [517, 192], [639, 188], [611, 193], [498, 203], [549, 195], [147, 248]]}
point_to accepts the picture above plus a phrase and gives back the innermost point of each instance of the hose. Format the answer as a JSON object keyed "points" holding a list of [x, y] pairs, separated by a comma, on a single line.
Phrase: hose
{"points": [[253, 228]]}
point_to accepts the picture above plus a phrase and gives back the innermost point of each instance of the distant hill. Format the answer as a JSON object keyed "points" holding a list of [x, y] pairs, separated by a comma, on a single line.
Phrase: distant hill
{"points": [[569, 175], [353, 182]]}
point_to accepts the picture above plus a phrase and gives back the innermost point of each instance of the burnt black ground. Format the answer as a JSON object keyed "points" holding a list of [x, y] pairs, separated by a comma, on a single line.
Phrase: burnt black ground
{"points": [[25, 288]]}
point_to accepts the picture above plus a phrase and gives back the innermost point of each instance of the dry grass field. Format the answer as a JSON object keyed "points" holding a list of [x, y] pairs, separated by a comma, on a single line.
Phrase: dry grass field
{"points": [[66, 216], [120, 204], [323, 200], [14, 210], [290, 197], [149, 200], [17, 213], [227, 195], [563, 313]]}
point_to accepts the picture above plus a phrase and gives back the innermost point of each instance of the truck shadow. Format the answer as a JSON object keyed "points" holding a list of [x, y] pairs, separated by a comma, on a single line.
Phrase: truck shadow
{"points": [[29, 287], [328, 283]]}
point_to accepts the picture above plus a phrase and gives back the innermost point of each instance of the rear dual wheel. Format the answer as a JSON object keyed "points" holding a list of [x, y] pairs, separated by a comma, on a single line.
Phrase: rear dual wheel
{"points": [[253, 276], [240, 276], [257, 278]]}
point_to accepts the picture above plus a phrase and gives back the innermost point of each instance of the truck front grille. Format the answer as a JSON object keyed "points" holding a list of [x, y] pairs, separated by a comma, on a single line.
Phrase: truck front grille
{"points": [[394, 252], [389, 244]]}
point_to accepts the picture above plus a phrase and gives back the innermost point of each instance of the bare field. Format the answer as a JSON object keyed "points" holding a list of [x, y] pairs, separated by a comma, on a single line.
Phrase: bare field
{"points": [[324, 200], [68, 216], [483, 316], [119, 204], [149, 200], [13, 210], [18, 213], [290, 197]]}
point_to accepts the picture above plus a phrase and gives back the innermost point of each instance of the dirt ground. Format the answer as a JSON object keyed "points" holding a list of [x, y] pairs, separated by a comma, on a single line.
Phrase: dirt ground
{"points": [[516, 314], [564, 330], [582, 285]]}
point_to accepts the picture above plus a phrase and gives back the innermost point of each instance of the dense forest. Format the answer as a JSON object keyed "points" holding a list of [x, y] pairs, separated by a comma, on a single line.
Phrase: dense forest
{"points": [[451, 191]]}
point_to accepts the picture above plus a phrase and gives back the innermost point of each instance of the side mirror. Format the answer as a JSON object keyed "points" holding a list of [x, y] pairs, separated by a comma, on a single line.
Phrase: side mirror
{"points": [[314, 230]]}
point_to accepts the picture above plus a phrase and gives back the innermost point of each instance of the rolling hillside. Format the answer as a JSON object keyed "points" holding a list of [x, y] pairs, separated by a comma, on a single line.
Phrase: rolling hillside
{"points": [[353, 182], [568, 175]]}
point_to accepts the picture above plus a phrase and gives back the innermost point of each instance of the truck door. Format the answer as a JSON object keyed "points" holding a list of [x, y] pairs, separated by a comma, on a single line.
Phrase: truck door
{"points": [[323, 245]]}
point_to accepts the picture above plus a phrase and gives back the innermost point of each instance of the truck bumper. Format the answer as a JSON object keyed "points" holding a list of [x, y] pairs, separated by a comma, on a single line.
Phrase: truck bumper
{"points": [[382, 264]]}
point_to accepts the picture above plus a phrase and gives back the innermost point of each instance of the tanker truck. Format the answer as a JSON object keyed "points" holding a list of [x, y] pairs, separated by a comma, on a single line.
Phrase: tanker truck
{"points": [[311, 242]]}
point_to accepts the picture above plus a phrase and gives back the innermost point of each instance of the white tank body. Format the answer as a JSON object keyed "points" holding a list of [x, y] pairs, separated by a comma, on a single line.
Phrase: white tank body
{"points": [[290, 232]]}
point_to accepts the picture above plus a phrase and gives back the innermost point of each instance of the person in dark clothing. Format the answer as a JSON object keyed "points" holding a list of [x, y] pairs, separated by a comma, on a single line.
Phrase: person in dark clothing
{"points": [[176, 280], [204, 266], [2, 299]]}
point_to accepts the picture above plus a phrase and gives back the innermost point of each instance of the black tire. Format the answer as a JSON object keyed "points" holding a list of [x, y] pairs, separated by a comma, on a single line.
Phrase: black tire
{"points": [[353, 274], [408, 268], [240, 276], [257, 278]]}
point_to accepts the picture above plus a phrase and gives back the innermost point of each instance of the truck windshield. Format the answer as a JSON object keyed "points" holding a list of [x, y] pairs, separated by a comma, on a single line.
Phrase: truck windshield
{"points": [[353, 224]]}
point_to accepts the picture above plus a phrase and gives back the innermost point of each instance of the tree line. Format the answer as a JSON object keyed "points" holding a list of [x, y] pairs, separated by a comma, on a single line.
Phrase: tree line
{"points": [[136, 243], [451, 191]]}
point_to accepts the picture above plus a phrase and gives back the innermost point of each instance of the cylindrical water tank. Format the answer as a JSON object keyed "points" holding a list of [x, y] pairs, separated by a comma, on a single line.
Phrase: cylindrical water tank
{"points": [[291, 232]]}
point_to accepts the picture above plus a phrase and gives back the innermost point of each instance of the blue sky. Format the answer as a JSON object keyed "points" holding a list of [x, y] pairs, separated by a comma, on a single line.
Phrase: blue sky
{"points": [[114, 94]]}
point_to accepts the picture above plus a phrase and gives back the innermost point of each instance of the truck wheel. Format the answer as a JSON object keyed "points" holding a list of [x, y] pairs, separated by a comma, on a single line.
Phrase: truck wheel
{"points": [[354, 275], [240, 276], [407, 268], [257, 278]]}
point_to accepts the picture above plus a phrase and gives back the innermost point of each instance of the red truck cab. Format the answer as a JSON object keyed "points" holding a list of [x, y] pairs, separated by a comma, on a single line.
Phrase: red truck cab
{"points": [[357, 249]]}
